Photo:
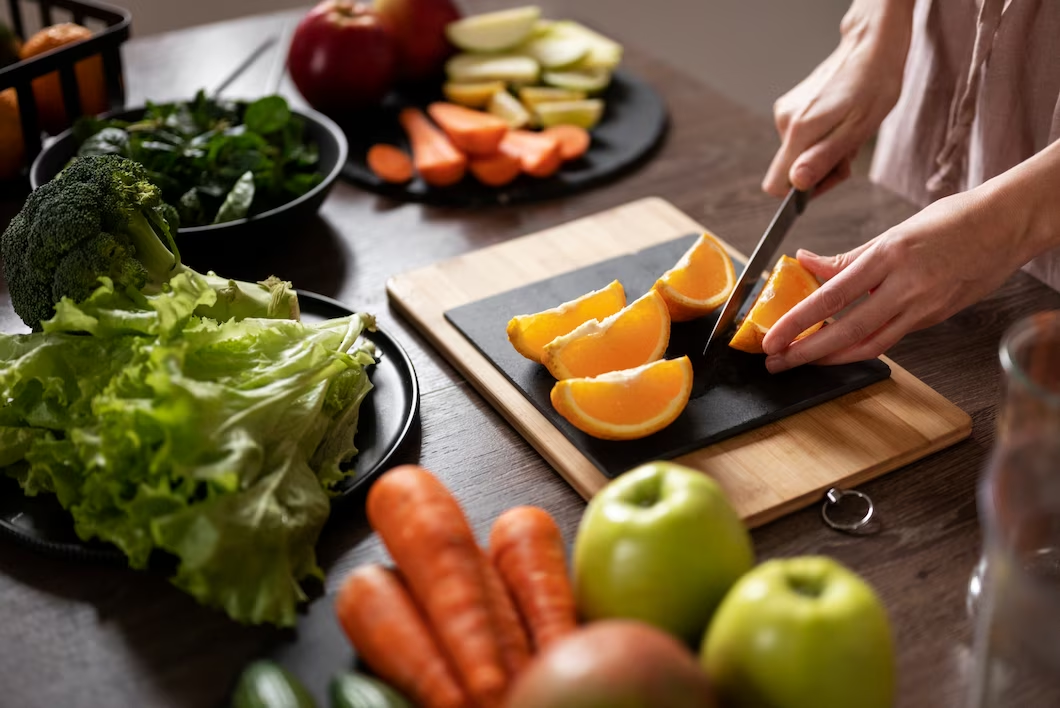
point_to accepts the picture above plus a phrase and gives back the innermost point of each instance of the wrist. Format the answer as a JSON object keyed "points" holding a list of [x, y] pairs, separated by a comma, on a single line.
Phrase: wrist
{"points": [[1025, 197], [887, 21]]}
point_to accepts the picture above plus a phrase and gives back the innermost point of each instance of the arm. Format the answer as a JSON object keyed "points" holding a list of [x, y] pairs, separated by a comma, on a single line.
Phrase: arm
{"points": [[949, 256], [825, 120]]}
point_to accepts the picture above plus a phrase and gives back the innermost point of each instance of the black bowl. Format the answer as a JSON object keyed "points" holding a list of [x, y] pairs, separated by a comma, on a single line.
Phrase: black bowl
{"points": [[205, 242]]}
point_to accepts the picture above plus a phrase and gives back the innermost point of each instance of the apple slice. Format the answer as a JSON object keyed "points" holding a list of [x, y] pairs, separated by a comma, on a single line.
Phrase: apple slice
{"points": [[553, 52], [584, 114], [472, 95], [532, 96], [511, 68], [507, 107], [590, 81], [603, 53], [493, 31]]}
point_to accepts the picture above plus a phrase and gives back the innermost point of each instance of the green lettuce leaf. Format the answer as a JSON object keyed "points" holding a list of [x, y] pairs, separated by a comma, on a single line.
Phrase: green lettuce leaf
{"points": [[216, 442]]}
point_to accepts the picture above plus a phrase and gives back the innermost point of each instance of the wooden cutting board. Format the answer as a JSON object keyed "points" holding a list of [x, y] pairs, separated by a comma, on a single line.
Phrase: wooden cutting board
{"points": [[766, 472]]}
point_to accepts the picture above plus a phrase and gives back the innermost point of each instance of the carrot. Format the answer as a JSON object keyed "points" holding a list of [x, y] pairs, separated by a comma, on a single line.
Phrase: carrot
{"points": [[496, 170], [539, 154], [389, 163], [390, 634], [527, 549], [474, 132], [573, 140], [429, 538], [439, 163], [515, 646]]}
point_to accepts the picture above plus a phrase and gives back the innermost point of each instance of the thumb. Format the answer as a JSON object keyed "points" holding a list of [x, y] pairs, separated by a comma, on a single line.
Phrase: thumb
{"points": [[827, 267]]}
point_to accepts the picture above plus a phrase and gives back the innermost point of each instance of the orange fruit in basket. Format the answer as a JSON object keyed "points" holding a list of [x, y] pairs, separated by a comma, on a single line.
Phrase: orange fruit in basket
{"points": [[787, 286], [628, 404], [635, 335], [530, 333], [12, 151], [700, 282], [47, 89]]}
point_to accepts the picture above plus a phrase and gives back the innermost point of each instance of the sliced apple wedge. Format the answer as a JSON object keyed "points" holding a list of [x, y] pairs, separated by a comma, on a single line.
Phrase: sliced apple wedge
{"points": [[472, 95], [511, 68], [591, 81], [584, 114], [507, 107], [603, 53], [553, 52], [493, 31], [532, 96]]}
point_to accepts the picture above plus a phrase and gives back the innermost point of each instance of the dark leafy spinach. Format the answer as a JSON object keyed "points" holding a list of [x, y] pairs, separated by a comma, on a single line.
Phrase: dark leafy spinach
{"points": [[215, 161]]}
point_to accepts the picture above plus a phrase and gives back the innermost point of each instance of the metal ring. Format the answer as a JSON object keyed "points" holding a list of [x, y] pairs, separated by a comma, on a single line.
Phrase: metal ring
{"points": [[834, 496]]}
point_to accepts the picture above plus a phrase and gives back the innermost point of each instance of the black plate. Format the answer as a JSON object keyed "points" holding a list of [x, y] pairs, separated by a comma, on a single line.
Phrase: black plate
{"points": [[740, 395], [633, 125], [388, 414], [201, 244]]}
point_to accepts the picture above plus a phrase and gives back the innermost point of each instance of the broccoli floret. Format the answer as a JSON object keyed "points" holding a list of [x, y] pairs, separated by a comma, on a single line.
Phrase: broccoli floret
{"points": [[102, 216]]}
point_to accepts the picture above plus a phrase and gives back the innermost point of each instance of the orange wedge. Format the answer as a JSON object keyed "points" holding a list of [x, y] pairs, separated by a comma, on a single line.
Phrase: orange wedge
{"points": [[637, 334], [629, 404], [700, 282], [530, 333], [788, 285]]}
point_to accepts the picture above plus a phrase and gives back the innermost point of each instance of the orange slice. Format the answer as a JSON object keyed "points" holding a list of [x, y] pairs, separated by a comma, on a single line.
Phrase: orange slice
{"points": [[701, 281], [637, 334], [530, 333], [629, 404], [788, 285]]}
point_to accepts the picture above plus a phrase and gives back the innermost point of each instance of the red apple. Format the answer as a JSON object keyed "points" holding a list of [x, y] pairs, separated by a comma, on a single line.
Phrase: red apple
{"points": [[613, 663], [343, 57], [419, 28]]}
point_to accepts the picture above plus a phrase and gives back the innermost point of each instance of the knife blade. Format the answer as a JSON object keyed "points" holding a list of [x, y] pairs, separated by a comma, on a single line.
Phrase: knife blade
{"points": [[793, 205]]}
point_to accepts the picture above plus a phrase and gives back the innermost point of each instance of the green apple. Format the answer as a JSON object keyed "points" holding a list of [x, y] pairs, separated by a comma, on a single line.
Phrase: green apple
{"points": [[801, 633], [660, 544]]}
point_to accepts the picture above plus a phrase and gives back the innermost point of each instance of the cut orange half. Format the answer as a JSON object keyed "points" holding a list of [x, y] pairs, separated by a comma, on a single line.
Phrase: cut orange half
{"points": [[530, 333], [701, 281], [637, 334], [629, 404], [787, 286]]}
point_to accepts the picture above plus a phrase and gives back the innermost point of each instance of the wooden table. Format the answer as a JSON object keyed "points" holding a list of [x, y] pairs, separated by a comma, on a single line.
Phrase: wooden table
{"points": [[84, 635]]}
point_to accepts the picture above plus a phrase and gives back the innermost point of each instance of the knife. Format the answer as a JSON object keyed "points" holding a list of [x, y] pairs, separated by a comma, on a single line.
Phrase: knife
{"points": [[793, 205]]}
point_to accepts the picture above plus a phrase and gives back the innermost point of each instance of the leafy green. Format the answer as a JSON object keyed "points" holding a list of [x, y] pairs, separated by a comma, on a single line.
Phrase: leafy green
{"points": [[216, 442], [198, 151]]}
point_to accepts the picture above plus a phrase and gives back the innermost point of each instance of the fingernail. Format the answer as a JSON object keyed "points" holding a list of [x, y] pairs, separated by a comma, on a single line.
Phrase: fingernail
{"points": [[803, 253], [775, 364]]}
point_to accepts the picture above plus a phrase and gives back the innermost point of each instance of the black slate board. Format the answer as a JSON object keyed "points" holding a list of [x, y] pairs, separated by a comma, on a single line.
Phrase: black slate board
{"points": [[634, 124], [740, 394]]}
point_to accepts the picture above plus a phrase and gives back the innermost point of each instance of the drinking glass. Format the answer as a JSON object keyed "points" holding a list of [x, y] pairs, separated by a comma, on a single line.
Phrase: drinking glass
{"points": [[1014, 595]]}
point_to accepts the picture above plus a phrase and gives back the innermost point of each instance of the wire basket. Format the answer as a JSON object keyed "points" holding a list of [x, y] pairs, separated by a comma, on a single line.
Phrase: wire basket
{"points": [[113, 23]]}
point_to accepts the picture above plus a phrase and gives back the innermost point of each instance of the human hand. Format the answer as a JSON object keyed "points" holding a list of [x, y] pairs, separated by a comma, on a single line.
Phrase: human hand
{"points": [[825, 120], [950, 255]]}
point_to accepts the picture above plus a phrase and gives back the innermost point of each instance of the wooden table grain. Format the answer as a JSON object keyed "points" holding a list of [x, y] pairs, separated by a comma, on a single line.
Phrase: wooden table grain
{"points": [[76, 634]]}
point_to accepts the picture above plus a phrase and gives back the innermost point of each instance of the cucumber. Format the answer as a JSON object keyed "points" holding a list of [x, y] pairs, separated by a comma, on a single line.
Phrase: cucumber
{"points": [[359, 691], [265, 684]]}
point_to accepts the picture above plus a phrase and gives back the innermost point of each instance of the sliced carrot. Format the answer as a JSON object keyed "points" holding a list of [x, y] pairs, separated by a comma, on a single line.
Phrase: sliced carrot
{"points": [[389, 163], [390, 634], [496, 170], [474, 132], [429, 538], [526, 548], [573, 140], [515, 645], [437, 160], [539, 154]]}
